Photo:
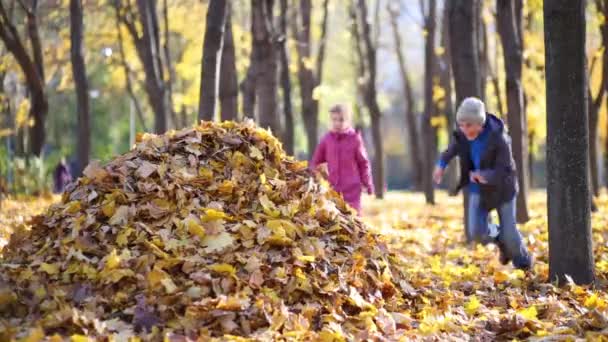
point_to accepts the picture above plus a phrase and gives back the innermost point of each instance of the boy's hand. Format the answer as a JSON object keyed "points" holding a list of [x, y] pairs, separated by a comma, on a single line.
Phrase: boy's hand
{"points": [[476, 177], [438, 174]]}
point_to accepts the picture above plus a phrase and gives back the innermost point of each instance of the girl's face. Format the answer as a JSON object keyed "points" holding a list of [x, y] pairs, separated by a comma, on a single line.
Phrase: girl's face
{"points": [[339, 122], [471, 131]]}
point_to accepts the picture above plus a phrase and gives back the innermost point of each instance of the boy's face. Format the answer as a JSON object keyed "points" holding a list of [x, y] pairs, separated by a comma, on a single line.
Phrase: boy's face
{"points": [[339, 122], [470, 130]]}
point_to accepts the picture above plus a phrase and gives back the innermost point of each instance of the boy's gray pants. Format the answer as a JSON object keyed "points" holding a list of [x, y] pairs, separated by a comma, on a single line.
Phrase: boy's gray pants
{"points": [[509, 239]]}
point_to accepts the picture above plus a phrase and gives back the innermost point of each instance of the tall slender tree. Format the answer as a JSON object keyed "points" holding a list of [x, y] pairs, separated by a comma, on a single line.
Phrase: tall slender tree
{"points": [[309, 77], [229, 87], [569, 206], [594, 103], [445, 81], [370, 93], [32, 67], [81, 84], [288, 136], [411, 120], [602, 7], [266, 63], [509, 28], [212, 57], [127, 69], [142, 25], [429, 130], [465, 64]]}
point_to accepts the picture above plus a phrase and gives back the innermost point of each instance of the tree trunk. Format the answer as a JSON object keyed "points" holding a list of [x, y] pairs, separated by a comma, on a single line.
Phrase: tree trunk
{"points": [[513, 58], [370, 97], [594, 108], [411, 121], [570, 246], [81, 84], [310, 106], [229, 87], [127, 70], [169, 65], [602, 7], [288, 138], [149, 53], [531, 142], [32, 68], [248, 90], [429, 131], [482, 39], [310, 78], [445, 79], [465, 64], [266, 63], [212, 56]]}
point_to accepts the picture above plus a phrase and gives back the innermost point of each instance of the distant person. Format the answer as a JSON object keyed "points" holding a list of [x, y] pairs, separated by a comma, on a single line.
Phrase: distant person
{"points": [[488, 174], [343, 151], [61, 176]]}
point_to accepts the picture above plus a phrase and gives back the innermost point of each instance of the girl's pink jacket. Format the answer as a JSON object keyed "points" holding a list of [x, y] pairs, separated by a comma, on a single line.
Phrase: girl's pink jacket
{"points": [[347, 163]]}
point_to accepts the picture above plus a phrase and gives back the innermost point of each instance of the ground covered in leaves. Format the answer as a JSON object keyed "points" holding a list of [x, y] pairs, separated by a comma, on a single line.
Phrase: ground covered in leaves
{"points": [[462, 292], [286, 261]]}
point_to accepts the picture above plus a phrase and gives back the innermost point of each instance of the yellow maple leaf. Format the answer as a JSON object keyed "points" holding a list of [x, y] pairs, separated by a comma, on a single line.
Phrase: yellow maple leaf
{"points": [[112, 260], [79, 338], [529, 313], [213, 214], [223, 269], [109, 208], [255, 153], [50, 269], [123, 236], [472, 305], [306, 258], [195, 228]]}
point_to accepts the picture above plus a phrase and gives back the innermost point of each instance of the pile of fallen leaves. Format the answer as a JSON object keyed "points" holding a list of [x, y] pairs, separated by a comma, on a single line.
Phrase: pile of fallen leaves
{"points": [[205, 232]]}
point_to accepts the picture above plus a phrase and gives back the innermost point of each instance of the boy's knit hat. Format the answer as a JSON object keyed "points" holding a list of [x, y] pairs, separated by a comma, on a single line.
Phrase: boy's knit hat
{"points": [[471, 110]]}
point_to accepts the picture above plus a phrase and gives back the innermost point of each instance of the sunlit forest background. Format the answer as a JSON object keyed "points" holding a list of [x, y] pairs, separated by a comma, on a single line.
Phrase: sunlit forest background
{"points": [[120, 105]]}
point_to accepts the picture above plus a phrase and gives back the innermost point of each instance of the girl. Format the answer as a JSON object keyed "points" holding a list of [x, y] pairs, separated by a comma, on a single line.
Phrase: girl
{"points": [[344, 152]]}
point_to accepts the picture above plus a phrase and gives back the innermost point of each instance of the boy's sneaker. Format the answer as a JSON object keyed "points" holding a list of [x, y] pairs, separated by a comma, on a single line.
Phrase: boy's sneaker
{"points": [[525, 265]]}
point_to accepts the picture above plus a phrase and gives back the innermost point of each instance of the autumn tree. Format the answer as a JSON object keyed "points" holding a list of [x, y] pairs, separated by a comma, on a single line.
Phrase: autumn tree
{"points": [[370, 96], [410, 118], [509, 15], [143, 27], [444, 68], [288, 133], [81, 85], [570, 246], [428, 128], [265, 59], [463, 49], [595, 102], [212, 52], [127, 69], [31, 64], [310, 68], [229, 87]]}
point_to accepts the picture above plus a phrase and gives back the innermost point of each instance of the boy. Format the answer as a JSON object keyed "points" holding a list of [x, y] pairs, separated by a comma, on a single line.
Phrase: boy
{"points": [[488, 173]]}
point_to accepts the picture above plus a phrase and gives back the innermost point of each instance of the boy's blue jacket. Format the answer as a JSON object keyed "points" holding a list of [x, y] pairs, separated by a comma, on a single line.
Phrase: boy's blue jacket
{"points": [[497, 165]]}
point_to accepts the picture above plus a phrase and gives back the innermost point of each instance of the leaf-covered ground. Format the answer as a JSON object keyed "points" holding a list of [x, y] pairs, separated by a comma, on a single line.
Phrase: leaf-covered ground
{"points": [[464, 292], [457, 291]]}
